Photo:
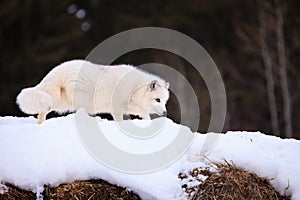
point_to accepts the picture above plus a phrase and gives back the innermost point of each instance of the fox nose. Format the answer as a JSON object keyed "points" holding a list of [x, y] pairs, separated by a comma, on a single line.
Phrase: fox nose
{"points": [[165, 113]]}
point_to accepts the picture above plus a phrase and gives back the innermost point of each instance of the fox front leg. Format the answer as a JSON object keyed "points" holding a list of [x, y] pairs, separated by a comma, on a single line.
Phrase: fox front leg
{"points": [[145, 116], [135, 109]]}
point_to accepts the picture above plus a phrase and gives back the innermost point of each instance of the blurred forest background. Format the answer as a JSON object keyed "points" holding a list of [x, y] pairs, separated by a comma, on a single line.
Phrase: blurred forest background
{"points": [[255, 44]]}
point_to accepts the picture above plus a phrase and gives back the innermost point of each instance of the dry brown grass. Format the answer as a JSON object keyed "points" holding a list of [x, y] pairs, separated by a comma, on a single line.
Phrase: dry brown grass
{"points": [[231, 183], [78, 190], [228, 183]]}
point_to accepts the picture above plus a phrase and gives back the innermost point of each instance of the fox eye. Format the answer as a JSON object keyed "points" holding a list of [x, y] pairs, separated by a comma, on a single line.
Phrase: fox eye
{"points": [[157, 100]]}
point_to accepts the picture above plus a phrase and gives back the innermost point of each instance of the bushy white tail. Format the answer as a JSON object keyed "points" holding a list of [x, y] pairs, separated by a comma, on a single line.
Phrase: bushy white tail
{"points": [[34, 101]]}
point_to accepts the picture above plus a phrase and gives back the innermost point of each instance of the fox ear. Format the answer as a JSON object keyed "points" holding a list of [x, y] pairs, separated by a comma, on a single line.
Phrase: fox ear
{"points": [[167, 85], [153, 85]]}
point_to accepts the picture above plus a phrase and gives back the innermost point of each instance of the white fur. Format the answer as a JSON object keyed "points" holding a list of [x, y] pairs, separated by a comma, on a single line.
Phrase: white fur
{"points": [[78, 84]]}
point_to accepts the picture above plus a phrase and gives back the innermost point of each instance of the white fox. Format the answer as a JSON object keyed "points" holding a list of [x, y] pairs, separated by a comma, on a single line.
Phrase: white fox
{"points": [[119, 89]]}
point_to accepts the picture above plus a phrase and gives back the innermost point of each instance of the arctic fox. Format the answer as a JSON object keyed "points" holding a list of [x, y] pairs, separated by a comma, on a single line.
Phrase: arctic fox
{"points": [[119, 89]]}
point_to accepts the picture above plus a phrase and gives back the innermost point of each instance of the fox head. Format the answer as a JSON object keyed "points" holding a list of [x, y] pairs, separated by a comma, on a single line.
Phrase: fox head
{"points": [[153, 97]]}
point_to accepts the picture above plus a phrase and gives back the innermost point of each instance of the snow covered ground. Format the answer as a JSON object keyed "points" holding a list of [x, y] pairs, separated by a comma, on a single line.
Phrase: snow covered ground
{"points": [[52, 153]]}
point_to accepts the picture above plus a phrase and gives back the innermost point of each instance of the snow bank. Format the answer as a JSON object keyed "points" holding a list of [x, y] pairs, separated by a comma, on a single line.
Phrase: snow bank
{"points": [[52, 153]]}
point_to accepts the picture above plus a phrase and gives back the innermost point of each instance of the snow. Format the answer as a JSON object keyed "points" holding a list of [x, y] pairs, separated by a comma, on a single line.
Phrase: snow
{"points": [[32, 156], [3, 188]]}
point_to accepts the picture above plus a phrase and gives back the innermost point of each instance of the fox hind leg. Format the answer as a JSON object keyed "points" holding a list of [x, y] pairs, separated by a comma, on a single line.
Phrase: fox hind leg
{"points": [[118, 116], [41, 117]]}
